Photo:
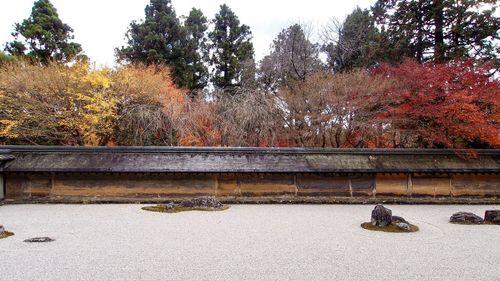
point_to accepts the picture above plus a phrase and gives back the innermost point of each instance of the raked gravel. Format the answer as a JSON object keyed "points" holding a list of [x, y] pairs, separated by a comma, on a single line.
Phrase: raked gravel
{"points": [[246, 242]]}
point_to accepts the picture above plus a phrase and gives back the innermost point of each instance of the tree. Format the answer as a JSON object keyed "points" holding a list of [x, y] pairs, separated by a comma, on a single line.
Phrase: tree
{"points": [[470, 29], [231, 46], [293, 57], [248, 75], [55, 104], [352, 43], [156, 40], [5, 58], [45, 37], [439, 30], [150, 108], [78, 105], [404, 24], [452, 105], [333, 109], [195, 52]]}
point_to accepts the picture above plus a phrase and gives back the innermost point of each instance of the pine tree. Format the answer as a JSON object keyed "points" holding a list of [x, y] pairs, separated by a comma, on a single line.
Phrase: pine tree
{"points": [[195, 52], [471, 29], [231, 46], [156, 40], [45, 37], [439, 30]]}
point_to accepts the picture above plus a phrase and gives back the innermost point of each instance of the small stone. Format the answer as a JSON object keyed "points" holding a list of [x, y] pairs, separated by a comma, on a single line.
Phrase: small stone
{"points": [[492, 216], [39, 240], [403, 225], [381, 216], [396, 219], [170, 206], [466, 218]]}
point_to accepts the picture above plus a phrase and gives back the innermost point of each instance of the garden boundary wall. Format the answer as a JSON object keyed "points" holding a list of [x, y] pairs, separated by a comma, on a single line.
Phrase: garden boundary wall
{"points": [[258, 175]]}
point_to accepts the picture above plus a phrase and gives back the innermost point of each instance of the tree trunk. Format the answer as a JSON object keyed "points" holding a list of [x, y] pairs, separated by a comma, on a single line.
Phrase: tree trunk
{"points": [[439, 48], [420, 32]]}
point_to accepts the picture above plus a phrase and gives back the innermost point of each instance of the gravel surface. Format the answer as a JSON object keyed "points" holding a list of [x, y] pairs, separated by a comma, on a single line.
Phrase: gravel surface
{"points": [[246, 242]]}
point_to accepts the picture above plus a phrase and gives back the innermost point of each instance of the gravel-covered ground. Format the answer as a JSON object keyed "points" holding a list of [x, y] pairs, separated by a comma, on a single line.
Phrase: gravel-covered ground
{"points": [[246, 242]]}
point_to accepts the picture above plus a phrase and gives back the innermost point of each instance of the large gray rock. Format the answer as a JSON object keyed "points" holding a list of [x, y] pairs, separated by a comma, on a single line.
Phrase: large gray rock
{"points": [[204, 202], [381, 216], [492, 216], [466, 218]]}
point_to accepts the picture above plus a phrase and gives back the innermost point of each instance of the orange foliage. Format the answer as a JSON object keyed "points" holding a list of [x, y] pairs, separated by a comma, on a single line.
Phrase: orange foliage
{"points": [[445, 105]]}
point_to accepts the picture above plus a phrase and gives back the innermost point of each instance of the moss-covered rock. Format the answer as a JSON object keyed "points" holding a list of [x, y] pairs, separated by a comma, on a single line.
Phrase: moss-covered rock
{"points": [[383, 220], [6, 234], [194, 204], [177, 209], [393, 227]]}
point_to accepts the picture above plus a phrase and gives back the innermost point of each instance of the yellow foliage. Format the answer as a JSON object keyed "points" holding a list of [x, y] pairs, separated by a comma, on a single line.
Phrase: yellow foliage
{"points": [[79, 104], [7, 128]]}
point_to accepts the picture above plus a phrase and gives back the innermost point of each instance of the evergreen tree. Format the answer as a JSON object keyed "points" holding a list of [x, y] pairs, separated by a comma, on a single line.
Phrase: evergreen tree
{"points": [[44, 36], [195, 52], [470, 29], [439, 30], [354, 43], [231, 46], [156, 40]]}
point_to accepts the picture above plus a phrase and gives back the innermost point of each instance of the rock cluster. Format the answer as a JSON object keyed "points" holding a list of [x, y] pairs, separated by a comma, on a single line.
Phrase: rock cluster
{"points": [[199, 202], [382, 217], [203, 202], [490, 217]]}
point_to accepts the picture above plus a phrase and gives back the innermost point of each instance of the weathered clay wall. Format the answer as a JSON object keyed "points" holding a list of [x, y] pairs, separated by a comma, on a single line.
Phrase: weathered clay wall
{"points": [[2, 188], [166, 186]]}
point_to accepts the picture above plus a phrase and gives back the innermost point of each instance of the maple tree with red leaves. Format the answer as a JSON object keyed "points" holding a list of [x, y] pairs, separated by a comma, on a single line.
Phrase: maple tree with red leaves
{"points": [[453, 105]]}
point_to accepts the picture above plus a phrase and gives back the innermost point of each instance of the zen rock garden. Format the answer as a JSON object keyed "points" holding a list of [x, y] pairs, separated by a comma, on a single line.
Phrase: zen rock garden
{"points": [[195, 204], [490, 217], [383, 220]]}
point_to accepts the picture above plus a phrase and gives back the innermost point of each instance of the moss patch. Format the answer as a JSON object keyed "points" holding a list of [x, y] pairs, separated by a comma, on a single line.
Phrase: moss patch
{"points": [[389, 228], [6, 234], [177, 209]]}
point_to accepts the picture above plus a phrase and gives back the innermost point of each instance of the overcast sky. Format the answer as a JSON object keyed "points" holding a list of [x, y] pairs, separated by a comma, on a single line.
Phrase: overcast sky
{"points": [[100, 25]]}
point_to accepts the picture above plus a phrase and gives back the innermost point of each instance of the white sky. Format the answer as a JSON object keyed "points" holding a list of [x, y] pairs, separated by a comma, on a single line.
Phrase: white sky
{"points": [[100, 25]]}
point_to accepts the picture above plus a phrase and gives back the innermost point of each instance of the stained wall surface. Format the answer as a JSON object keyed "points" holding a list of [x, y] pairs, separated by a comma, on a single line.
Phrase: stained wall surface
{"points": [[34, 186], [2, 187]]}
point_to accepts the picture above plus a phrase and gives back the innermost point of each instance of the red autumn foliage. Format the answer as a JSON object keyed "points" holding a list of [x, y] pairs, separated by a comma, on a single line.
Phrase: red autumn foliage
{"points": [[454, 105]]}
